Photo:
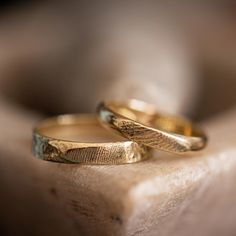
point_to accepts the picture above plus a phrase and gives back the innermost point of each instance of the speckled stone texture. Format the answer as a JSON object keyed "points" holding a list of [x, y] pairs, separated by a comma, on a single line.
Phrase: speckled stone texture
{"points": [[165, 194]]}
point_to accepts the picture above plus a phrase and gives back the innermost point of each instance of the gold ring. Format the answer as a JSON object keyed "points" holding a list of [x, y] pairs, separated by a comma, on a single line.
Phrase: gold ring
{"points": [[81, 139], [142, 123]]}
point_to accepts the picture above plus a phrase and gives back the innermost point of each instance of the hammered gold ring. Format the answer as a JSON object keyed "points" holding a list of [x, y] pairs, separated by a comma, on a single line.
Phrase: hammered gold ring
{"points": [[81, 139], [143, 124]]}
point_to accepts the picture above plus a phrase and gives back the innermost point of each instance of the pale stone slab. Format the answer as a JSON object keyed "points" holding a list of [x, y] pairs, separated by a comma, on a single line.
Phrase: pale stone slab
{"points": [[166, 195]]}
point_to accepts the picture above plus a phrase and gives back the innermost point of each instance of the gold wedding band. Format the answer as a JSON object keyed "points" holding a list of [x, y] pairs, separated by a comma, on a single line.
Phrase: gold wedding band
{"points": [[141, 123], [81, 139]]}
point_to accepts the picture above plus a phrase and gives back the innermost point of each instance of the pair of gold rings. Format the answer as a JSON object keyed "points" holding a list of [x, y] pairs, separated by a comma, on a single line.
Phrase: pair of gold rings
{"points": [[132, 130]]}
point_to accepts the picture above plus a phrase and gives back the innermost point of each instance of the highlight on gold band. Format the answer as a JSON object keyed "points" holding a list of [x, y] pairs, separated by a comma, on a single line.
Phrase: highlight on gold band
{"points": [[142, 123], [81, 139]]}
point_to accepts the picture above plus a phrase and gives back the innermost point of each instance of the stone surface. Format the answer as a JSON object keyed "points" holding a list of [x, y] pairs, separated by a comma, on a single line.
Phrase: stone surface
{"points": [[165, 195]]}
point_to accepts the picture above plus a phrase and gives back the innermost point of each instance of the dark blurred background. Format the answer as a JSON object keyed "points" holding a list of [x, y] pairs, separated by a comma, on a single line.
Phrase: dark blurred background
{"points": [[65, 56]]}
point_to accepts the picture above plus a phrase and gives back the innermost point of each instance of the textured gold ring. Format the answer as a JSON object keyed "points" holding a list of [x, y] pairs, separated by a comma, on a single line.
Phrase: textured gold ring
{"points": [[142, 123], [81, 139]]}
